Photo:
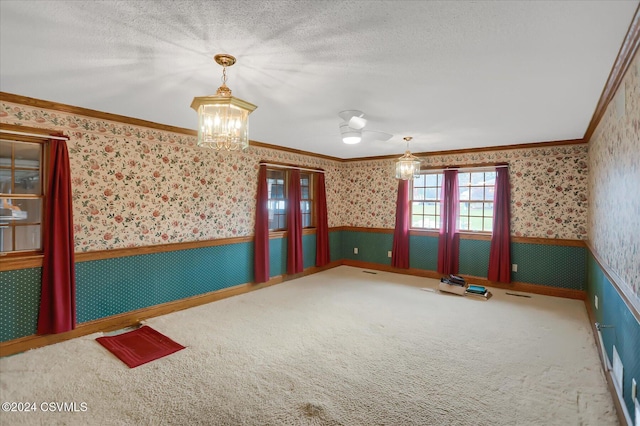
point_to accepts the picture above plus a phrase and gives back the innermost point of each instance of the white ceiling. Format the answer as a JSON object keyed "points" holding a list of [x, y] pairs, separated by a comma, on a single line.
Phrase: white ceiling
{"points": [[452, 74]]}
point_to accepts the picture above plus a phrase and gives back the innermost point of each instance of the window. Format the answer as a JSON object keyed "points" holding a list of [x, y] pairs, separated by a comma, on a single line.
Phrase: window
{"points": [[21, 196], [476, 200], [305, 199], [476, 188], [425, 205], [277, 198]]}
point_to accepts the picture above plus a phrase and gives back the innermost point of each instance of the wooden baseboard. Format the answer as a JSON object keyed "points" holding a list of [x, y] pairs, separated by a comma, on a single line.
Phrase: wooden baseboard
{"points": [[128, 319], [514, 286]]}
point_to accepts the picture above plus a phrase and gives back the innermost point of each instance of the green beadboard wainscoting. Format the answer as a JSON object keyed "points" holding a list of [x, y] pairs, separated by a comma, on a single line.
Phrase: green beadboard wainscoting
{"points": [[622, 327], [113, 286], [123, 284]]}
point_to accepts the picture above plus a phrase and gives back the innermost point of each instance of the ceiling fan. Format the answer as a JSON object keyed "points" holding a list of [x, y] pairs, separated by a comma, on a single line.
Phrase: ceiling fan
{"points": [[353, 129]]}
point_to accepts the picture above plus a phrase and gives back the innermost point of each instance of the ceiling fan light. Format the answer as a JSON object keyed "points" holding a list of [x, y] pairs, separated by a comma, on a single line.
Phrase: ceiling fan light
{"points": [[350, 136], [351, 140]]}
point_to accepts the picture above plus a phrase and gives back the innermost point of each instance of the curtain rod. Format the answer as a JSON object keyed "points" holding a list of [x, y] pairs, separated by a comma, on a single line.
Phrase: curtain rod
{"points": [[36, 135], [479, 166], [281, 166]]}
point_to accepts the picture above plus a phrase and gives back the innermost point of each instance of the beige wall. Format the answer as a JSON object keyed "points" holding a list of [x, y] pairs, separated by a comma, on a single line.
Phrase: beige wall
{"points": [[614, 184]]}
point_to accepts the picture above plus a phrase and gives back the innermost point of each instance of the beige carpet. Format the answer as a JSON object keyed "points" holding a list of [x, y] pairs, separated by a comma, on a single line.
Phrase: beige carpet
{"points": [[342, 347]]}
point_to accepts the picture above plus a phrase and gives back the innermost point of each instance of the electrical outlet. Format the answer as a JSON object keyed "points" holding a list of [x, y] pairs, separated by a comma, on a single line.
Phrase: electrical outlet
{"points": [[595, 301], [355, 250], [634, 389], [389, 253], [514, 267]]}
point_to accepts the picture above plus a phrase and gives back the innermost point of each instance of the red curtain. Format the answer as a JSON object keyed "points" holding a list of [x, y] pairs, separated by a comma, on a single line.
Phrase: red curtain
{"points": [[500, 251], [294, 224], [58, 297], [400, 254], [449, 238], [261, 234], [323, 255]]}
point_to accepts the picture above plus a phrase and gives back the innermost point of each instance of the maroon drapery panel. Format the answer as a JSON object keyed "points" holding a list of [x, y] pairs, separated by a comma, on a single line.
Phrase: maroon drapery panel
{"points": [[449, 238], [500, 251], [323, 255], [261, 234], [58, 295], [294, 224], [400, 253]]}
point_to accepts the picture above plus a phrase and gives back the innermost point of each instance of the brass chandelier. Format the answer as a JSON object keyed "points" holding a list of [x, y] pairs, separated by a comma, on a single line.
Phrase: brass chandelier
{"points": [[407, 166], [223, 120]]}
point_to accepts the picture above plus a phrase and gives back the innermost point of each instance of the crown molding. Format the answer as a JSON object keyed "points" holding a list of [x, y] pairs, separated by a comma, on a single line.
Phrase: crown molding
{"points": [[620, 66], [475, 150], [39, 103]]}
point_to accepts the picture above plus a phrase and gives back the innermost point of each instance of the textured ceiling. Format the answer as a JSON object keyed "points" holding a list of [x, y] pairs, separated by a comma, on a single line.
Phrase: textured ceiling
{"points": [[451, 74]]}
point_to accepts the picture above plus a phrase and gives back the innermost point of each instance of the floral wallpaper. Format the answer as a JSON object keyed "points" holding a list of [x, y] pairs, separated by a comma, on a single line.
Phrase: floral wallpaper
{"points": [[136, 186], [614, 180], [548, 189]]}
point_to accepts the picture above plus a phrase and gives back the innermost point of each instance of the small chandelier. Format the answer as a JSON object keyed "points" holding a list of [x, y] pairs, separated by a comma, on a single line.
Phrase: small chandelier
{"points": [[223, 121], [407, 166]]}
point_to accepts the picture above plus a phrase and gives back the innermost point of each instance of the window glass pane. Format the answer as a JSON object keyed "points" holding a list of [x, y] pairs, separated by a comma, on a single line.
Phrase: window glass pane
{"points": [[27, 182], [464, 192], [5, 181], [490, 178], [431, 180], [463, 179], [419, 181], [416, 208], [5, 154], [431, 222], [475, 223], [464, 208], [477, 193], [304, 206], [431, 194], [18, 209], [28, 210], [418, 193], [477, 178], [416, 221], [464, 223], [430, 208], [488, 224], [27, 237], [475, 209], [488, 209], [27, 155], [489, 193], [6, 237]]}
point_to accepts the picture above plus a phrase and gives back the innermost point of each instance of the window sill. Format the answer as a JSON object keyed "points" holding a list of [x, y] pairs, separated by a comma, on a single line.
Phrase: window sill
{"points": [[12, 262]]}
